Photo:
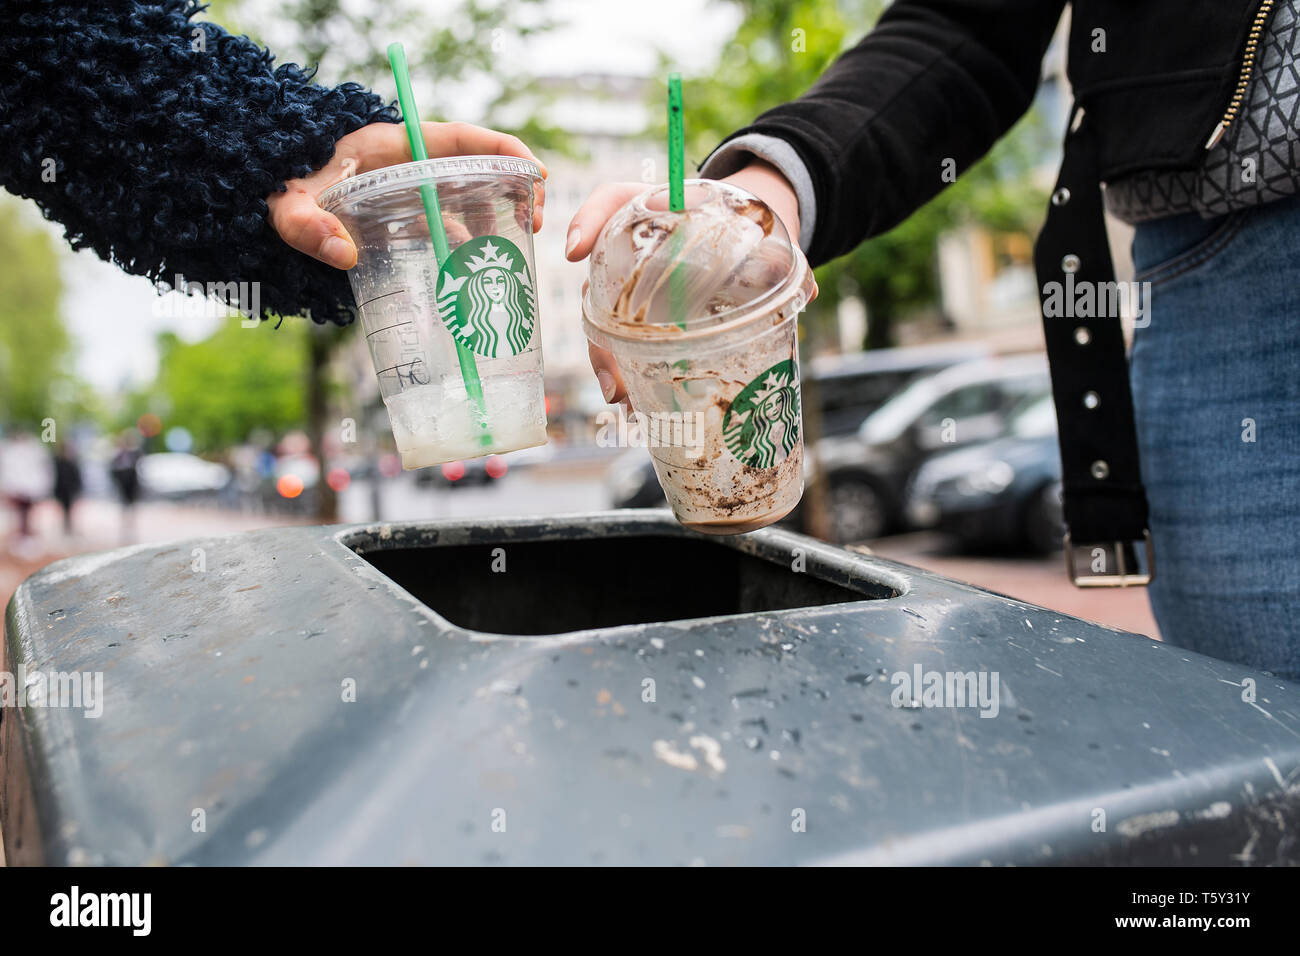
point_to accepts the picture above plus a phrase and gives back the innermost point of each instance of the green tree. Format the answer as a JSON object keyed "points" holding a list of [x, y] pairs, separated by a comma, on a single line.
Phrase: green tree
{"points": [[34, 343], [231, 383], [460, 54]]}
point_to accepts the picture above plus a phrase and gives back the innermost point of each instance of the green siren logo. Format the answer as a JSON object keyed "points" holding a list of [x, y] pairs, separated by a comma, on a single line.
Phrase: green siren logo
{"points": [[487, 297], [762, 426]]}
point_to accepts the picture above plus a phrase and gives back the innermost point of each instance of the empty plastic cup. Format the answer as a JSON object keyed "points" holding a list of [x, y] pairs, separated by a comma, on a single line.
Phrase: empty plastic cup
{"points": [[440, 334]]}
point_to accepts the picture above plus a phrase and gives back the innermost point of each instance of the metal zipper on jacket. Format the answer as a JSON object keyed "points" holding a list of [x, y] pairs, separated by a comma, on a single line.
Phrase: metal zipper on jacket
{"points": [[1247, 70]]}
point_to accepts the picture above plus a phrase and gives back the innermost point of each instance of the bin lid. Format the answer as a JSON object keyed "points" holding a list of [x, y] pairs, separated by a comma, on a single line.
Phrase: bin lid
{"points": [[318, 711]]}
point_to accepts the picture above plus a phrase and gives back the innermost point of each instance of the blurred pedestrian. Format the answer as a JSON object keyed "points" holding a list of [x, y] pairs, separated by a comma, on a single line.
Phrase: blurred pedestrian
{"points": [[124, 469], [25, 478], [67, 482]]}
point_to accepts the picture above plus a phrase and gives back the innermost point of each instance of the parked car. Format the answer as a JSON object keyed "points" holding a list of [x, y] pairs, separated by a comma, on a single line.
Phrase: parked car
{"points": [[1002, 493], [630, 481], [478, 471], [846, 388], [454, 474], [178, 475], [867, 473], [850, 387]]}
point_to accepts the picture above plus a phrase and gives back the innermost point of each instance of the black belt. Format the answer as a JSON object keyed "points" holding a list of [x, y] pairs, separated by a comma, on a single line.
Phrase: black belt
{"points": [[1104, 501]]}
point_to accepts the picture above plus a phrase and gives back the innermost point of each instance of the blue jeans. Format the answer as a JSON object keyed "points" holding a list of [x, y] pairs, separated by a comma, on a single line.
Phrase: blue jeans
{"points": [[1216, 385]]}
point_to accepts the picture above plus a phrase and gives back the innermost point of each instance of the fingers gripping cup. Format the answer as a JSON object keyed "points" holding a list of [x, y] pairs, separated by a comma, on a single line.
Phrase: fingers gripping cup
{"points": [[456, 346], [700, 310]]}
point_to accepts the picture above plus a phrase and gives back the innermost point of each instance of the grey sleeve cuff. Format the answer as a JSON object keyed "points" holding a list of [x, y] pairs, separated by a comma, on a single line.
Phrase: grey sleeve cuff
{"points": [[730, 156]]}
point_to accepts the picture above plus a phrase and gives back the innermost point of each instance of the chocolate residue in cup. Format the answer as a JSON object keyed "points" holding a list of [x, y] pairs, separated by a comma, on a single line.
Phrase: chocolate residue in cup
{"points": [[756, 211], [648, 236]]}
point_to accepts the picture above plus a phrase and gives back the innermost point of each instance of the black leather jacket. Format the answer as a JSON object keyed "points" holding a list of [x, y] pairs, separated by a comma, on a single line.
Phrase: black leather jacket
{"points": [[945, 78]]}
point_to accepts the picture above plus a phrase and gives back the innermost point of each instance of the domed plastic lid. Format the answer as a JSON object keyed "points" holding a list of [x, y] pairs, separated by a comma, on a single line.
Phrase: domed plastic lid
{"points": [[724, 261], [407, 175]]}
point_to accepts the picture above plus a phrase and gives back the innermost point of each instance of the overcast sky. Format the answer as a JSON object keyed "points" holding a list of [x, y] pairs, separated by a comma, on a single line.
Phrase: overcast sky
{"points": [[111, 315]]}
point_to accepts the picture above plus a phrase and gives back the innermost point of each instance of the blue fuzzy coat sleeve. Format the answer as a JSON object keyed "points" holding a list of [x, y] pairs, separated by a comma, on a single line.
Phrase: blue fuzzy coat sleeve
{"points": [[163, 154]]}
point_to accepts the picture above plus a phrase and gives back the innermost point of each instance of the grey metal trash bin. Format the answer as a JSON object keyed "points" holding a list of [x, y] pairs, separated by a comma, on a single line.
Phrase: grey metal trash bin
{"points": [[612, 689]]}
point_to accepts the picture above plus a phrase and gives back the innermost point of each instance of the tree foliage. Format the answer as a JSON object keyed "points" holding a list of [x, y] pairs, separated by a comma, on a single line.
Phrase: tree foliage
{"points": [[457, 53], [34, 346], [234, 382]]}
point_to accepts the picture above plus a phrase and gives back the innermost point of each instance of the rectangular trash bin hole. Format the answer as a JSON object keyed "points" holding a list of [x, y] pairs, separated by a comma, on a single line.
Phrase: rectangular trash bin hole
{"points": [[552, 587]]}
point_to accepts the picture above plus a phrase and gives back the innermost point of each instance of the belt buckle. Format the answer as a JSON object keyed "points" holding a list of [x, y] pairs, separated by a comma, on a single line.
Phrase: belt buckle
{"points": [[1122, 577]]}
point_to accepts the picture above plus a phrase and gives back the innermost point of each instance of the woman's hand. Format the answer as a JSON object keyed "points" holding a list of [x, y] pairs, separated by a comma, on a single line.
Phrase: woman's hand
{"points": [[295, 215], [760, 178]]}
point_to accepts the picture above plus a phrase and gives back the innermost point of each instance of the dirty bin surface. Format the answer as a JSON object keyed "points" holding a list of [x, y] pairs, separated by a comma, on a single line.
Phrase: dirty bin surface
{"points": [[611, 689]]}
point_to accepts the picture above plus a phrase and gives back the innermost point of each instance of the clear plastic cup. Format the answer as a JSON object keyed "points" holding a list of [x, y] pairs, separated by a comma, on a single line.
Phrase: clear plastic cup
{"points": [[700, 310], [432, 331]]}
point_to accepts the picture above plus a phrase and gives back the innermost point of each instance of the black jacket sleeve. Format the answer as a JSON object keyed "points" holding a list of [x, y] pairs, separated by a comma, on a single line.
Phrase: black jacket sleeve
{"points": [[154, 140], [935, 80]]}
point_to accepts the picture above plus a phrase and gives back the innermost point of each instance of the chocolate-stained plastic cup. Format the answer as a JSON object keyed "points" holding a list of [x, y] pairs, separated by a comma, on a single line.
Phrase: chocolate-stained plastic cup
{"points": [[700, 309]]}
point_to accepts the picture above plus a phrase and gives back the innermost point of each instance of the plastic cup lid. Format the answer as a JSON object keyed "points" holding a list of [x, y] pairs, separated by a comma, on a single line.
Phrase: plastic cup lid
{"points": [[724, 260], [408, 175]]}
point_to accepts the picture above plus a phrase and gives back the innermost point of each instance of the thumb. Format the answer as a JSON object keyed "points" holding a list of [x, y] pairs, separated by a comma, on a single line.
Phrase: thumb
{"points": [[306, 227], [604, 201]]}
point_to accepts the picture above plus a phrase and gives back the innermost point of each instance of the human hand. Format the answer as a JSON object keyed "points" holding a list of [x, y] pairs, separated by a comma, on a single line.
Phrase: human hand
{"points": [[300, 221], [760, 178]]}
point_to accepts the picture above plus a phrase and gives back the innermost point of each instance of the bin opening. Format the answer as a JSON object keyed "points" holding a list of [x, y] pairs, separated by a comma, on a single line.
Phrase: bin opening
{"points": [[553, 587]]}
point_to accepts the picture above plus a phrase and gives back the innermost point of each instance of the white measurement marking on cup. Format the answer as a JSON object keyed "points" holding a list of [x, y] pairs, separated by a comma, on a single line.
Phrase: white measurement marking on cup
{"points": [[409, 370]]}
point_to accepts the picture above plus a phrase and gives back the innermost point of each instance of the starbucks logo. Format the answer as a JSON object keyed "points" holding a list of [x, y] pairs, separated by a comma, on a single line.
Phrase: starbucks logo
{"points": [[486, 296], [762, 426]]}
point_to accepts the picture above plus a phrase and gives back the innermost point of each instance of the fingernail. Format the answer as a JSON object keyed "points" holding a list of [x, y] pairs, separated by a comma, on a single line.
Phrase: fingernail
{"points": [[607, 385], [337, 252], [575, 237]]}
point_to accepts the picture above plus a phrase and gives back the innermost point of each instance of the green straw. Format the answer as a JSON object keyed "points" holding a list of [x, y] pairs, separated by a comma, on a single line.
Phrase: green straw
{"points": [[676, 202], [676, 190], [433, 213], [676, 148]]}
